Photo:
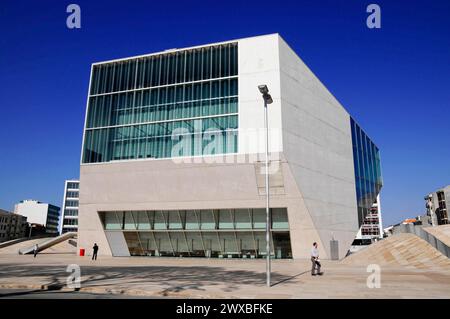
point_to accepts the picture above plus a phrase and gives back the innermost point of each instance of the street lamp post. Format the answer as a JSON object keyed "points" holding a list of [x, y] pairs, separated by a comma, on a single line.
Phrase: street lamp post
{"points": [[31, 228], [267, 100]]}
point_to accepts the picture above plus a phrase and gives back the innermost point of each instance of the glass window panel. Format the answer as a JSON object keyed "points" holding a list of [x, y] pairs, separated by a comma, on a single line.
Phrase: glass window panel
{"points": [[246, 243], [197, 91], [212, 242], [132, 75], [179, 242], [163, 243], [207, 220], [215, 89], [133, 243], [180, 67], [189, 66], [148, 243], [192, 219], [243, 218], [102, 79], [174, 220], [143, 220], [234, 60], [188, 92], [198, 65], [95, 79], [206, 63], [160, 220], [260, 240], [111, 221], [233, 87], [206, 90], [195, 243], [171, 69], [130, 223], [225, 219], [156, 62], [279, 218], [215, 70], [228, 242], [224, 56], [125, 76], [117, 76], [259, 218]]}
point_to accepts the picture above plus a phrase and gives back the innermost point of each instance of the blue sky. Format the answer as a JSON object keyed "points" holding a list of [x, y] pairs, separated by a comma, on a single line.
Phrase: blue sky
{"points": [[395, 81]]}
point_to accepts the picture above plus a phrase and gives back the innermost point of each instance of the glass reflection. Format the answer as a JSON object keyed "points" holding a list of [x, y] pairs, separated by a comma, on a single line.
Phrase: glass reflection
{"points": [[222, 233]]}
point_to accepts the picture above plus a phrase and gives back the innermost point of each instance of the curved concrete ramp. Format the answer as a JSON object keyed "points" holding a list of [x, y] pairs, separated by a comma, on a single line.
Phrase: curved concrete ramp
{"points": [[405, 250]]}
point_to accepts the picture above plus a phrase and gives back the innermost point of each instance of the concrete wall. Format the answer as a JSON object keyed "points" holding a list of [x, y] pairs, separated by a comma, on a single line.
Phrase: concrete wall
{"points": [[318, 148], [164, 184], [258, 64]]}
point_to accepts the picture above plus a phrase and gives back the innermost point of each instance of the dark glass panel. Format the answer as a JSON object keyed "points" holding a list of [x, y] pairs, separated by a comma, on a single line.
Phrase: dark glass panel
{"points": [[206, 52], [215, 70], [198, 65], [180, 67]]}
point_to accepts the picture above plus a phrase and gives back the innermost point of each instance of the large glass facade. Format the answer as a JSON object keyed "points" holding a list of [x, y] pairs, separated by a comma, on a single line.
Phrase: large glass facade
{"points": [[143, 107], [212, 233], [366, 156]]}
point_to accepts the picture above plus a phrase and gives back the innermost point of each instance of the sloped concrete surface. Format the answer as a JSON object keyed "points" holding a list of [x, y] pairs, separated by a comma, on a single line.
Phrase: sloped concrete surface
{"points": [[14, 249], [405, 250], [440, 232]]}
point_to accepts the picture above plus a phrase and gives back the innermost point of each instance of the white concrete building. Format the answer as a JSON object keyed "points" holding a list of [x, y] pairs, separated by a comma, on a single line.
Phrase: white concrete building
{"points": [[39, 213], [173, 151], [70, 206]]}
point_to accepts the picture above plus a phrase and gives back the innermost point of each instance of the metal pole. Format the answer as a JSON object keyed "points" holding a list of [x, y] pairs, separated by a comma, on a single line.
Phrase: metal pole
{"points": [[267, 198]]}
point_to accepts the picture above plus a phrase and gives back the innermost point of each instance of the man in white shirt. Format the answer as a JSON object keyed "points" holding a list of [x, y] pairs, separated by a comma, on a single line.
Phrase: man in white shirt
{"points": [[315, 260]]}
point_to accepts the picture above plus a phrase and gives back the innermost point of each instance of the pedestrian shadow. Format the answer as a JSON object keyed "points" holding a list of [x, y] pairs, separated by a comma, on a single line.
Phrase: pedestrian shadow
{"points": [[289, 278]]}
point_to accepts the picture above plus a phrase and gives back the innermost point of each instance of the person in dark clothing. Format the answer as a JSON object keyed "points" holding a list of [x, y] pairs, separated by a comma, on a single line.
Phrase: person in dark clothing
{"points": [[95, 249]]}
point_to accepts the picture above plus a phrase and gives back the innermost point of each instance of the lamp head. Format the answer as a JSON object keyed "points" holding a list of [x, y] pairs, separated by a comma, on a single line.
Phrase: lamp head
{"points": [[263, 89], [265, 93]]}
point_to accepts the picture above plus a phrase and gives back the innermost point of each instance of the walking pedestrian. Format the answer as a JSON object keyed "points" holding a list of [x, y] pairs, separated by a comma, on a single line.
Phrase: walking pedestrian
{"points": [[35, 250], [315, 261]]}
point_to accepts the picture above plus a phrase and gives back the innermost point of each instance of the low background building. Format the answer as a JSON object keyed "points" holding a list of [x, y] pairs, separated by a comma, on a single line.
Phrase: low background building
{"points": [[12, 226], [40, 213], [437, 204]]}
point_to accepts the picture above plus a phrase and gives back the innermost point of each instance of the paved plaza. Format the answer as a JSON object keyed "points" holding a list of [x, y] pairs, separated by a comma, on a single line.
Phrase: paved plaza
{"points": [[216, 278]]}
